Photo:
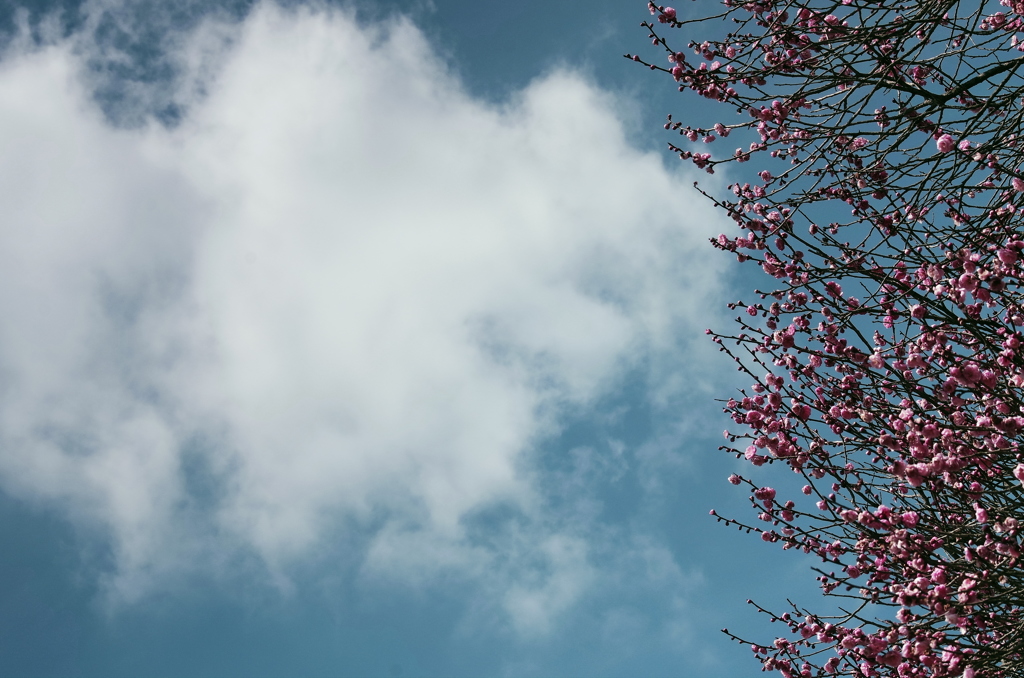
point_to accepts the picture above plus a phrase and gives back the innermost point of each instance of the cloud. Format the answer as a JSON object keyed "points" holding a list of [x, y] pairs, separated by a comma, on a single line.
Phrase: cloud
{"points": [[340, 290]]}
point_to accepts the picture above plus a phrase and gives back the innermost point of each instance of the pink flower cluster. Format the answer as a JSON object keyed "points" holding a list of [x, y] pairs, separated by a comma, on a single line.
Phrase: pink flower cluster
{"points": [[887, 363]]}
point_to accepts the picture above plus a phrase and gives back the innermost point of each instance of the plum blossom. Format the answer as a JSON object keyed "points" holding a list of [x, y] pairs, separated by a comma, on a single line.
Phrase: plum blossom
{"points": [[890, 321]]}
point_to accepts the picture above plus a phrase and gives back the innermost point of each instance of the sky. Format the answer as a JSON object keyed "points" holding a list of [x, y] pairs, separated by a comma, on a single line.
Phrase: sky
{"points": [[361, 339]]}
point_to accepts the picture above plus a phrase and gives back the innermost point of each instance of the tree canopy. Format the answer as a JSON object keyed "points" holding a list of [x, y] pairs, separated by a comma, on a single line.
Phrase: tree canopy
{"points": [[883, 203]]}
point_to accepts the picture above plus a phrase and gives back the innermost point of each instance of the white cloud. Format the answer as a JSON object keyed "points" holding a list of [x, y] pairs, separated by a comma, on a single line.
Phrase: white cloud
{"points": [[345, 286]]}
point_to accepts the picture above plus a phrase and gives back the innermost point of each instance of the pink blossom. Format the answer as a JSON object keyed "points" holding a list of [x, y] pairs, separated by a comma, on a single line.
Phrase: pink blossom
{"points": [[932, 400]]}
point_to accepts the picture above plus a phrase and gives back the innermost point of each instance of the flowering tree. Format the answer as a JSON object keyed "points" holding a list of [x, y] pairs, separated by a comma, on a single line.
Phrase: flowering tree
{"points": [[886, 354]]}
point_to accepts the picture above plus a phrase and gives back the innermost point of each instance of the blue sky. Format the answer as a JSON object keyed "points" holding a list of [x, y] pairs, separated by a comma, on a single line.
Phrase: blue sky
{"points": [[360, 340]]}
